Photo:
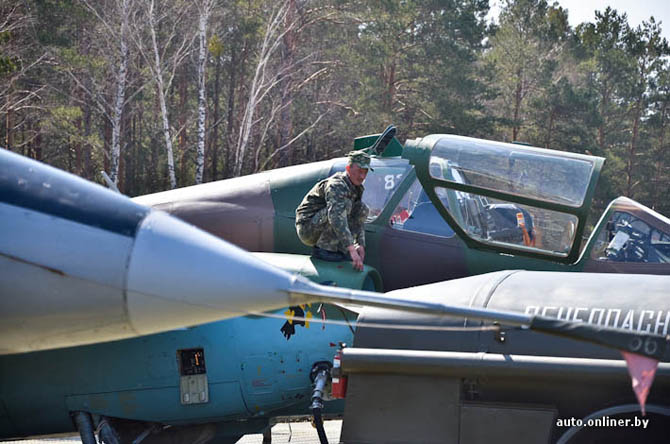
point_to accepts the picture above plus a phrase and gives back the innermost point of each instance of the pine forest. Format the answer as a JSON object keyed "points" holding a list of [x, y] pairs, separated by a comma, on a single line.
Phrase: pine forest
{"points": [[169, 93]]}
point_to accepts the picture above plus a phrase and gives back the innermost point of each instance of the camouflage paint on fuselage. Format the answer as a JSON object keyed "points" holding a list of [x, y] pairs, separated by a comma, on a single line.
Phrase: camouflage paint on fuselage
{"points": [[406, 249]]}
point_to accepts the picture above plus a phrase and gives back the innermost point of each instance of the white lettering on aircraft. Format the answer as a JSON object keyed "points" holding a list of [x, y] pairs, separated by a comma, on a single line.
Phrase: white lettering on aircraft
{"points": [[649, 321]]}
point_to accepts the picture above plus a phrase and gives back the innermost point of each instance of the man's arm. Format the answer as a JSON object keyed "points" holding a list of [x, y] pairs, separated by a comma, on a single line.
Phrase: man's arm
{"points": [[339, 206], [338, 209], [360, 213]]}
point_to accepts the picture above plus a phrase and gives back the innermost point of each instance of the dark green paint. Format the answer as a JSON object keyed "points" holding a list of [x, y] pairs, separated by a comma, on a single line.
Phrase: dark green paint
{"points": [[394, 148], [330, 273]]}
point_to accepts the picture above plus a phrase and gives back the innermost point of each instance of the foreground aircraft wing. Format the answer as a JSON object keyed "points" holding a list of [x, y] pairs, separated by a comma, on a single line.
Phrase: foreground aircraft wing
{"points": [[80, 264]]}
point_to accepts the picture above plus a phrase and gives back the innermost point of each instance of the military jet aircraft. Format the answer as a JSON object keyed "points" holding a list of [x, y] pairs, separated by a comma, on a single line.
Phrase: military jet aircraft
{"points": [[214, 382], [444, 207]]}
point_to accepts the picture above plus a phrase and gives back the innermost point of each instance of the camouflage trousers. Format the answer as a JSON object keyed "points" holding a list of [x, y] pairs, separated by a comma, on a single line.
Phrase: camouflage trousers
{"points": [[318, 232]]}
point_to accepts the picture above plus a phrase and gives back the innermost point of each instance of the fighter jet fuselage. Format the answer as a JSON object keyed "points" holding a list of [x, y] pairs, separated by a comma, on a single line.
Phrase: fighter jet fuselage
{"points": [[445, 207]]}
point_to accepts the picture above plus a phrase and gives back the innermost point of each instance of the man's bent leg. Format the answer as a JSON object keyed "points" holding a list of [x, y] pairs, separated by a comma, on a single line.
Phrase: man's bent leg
{"points": [[330, 256], [310, 230], [358, 217], [328, 246], [329, 240]]}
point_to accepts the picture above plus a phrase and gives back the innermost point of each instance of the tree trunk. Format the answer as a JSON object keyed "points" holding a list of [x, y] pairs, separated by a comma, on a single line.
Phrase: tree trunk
{"points": [[603, 114], [261, 84], [214, 138], [632, 149], [120, 93], [161, 98], [182, 121], [79, 159], [232, 86], [202, 100], [166, 134], [517, 106], [37, 147], [89, 173], [552, 117], [390, 87], [8, 129], [107, 138], [660, 157]]}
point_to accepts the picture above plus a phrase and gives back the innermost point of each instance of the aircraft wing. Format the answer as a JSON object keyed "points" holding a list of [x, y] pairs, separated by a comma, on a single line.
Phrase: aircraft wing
{"points": [[80, 264]]}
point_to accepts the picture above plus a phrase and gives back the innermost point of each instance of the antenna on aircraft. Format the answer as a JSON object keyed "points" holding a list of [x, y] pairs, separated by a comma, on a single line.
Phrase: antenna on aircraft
{"points": [[384, 139]]}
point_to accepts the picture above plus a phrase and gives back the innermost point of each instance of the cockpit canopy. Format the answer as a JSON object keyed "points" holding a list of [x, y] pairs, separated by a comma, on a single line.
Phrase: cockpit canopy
{"points": [[515, 198], [534, 173]]}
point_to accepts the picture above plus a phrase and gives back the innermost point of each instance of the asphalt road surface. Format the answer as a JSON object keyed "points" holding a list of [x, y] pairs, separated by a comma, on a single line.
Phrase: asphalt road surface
{"points": [[294, 433]]}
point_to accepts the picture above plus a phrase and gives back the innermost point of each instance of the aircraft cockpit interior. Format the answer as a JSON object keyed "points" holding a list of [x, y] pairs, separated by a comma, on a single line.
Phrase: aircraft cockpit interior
{"points": [[507, 197], [633, 233]]}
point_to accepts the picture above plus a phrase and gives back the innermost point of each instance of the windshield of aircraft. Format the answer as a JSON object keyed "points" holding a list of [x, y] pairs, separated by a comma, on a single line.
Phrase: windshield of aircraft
{"points": [[524, 171], [629, 238], [381, 183], [498, 222]]}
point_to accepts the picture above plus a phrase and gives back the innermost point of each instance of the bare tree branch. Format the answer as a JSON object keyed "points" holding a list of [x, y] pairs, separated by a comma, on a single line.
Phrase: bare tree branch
{"points": [[290, 142]]}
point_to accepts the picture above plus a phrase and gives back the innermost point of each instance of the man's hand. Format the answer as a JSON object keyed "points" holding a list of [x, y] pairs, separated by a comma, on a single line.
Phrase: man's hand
{"points": [[361, 251], [355, 257]]}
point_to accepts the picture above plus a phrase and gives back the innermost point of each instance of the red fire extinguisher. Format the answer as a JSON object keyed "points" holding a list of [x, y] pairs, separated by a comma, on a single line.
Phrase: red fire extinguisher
{"points": [[339, 380]]}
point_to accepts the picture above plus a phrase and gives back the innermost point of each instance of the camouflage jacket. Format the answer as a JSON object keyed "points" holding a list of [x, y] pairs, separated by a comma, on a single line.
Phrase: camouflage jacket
{"points": [[344, 205]]}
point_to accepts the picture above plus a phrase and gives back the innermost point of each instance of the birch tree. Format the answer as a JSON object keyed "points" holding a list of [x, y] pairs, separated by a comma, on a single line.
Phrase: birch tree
{"points": [[124, 12], [114, 22], [263, 81], [278, 79], [163, 56], [205, 9], [288, 59]]}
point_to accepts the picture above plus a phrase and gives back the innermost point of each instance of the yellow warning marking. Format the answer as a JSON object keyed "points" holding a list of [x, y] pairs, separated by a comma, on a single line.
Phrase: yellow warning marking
{"points": [[289, 315]]}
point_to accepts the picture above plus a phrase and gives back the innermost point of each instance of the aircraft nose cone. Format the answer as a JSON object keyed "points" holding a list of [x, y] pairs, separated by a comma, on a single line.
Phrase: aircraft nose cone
{"points": [[180, 275]]}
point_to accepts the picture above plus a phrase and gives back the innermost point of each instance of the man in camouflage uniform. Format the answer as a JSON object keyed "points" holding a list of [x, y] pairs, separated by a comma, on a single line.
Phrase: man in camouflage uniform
{"points": [[332, 215]]}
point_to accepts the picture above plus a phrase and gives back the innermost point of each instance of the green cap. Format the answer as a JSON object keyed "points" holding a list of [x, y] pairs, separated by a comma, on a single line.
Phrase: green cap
{"points": [[360, 158]]}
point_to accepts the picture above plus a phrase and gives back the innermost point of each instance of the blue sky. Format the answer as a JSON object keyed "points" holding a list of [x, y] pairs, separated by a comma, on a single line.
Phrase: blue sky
{"points": [[637, 10]]}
